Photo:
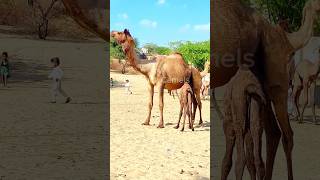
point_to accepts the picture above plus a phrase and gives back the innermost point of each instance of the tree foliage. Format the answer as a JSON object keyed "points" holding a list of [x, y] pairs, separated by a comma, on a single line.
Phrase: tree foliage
{"points": [[155, 49], [196, 53], [277, 10], [116, 50]]}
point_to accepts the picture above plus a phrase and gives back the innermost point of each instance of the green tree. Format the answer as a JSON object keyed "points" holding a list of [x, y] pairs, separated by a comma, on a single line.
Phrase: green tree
{"points": [[276, 10], [196, 53], [116, 50], [155, 49]]}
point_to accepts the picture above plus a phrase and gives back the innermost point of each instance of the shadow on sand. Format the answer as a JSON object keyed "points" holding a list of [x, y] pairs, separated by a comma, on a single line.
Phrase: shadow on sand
{"points": [[26, 71]]}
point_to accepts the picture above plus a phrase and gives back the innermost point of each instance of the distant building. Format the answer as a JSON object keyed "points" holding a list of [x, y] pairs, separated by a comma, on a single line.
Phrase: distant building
{"points": [[144, 50]]}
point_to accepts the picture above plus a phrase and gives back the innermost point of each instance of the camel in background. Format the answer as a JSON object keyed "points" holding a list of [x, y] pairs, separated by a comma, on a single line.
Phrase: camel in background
{"points": [[168, 73], [250, 40], [304, 82]]}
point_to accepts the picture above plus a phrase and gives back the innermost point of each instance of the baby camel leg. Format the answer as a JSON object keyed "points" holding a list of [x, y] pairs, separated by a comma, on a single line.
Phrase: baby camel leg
{"points": [[240, 161], [184, 117], [227, 160], [256, 130], [180, 114], [250, 156], [230, 140]]}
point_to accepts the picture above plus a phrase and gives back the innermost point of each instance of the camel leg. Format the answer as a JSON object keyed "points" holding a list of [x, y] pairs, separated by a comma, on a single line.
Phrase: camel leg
{"points": [[150, 103], [190, 102], [199, 105], [180, 114], [184, 117], [305, 102], [195, 104], [240, 161], [280, 105], [256, 130], [250, 155], [161, 89], [296, 95], [227, 160], [312, 101], [215, 105], [273, 135]]}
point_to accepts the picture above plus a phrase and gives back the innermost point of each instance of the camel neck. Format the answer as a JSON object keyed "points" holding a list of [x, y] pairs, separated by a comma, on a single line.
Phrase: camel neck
{"points": [[133, 60], [301, 37]]}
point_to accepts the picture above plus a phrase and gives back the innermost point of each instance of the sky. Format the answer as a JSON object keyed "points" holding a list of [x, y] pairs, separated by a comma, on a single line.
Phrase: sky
{"points": [[162, 21]]}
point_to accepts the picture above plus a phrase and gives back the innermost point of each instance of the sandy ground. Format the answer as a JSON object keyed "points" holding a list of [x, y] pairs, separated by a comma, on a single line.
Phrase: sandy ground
{"points": [[145, 152], [306, 150], [40, 140]]}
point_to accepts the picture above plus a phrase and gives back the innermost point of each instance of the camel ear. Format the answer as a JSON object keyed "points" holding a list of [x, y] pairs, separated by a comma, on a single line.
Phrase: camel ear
{"points": [[126, 32]]}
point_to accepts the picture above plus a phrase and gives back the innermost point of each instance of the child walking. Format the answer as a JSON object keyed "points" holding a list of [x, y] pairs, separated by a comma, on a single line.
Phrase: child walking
{"points": [[56, 75], [4, 68], [127, 85]]}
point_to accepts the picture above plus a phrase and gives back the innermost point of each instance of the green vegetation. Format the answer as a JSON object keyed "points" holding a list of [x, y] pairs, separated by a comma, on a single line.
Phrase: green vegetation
{"points": [[155, 49], [116, 50], [276, 10], [196, 53]]}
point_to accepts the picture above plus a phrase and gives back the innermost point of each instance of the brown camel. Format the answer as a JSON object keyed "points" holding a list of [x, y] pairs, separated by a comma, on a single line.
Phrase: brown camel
{"points": [[186, 101], [242, 37], [167, 73], [244, 94], [304, 80]]}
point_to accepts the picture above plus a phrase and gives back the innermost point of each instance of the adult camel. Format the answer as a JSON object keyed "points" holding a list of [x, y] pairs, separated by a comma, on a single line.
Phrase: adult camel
{"points": [[305, 80], [167, 73], [243, 38]]}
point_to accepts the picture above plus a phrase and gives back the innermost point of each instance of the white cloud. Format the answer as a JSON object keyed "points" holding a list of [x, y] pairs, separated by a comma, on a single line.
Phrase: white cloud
{"points": [[185, 28], [148, 23], [123, 16], [161, 2], [202, 27]]}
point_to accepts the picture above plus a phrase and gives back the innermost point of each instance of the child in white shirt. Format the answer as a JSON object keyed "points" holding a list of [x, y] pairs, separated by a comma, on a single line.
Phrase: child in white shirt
{"points": [[56, 75], [127, 85]]}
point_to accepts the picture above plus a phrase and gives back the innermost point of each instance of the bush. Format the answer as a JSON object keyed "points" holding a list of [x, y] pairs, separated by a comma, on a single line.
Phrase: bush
{"points": [[196, 53], [116, 50]]}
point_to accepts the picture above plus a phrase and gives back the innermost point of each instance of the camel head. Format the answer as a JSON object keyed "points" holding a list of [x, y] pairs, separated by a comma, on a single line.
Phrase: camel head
{"points": [[121, 37], [124, 39]]}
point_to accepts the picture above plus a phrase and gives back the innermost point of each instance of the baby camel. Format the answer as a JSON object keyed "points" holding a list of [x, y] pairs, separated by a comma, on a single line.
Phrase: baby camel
{"points": [[187, 99], [243, 125]]}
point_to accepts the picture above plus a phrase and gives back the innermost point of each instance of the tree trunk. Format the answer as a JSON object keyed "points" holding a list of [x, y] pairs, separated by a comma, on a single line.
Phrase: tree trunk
{"points": [[43, 29]]}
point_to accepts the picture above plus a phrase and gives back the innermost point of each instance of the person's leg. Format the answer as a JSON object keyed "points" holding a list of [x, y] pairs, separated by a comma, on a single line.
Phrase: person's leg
{"points": [[63, 93], [54, 92], [5, 77]]}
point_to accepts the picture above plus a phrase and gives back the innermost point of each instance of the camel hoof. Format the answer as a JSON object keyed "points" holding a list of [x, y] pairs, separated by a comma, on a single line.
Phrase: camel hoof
{"points": [[176, 127], [192, 129], [300, 122], [146, 124], [160, 126], [182, 130]]}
